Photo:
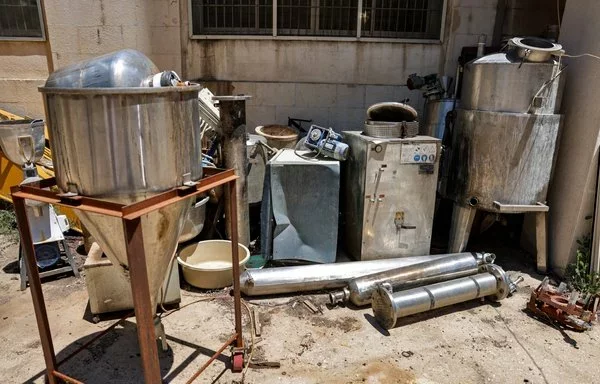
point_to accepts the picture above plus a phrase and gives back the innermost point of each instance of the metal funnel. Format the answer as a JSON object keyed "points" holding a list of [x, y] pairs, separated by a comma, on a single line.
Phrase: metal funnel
{"points": [[125, 145], [22, 141]]}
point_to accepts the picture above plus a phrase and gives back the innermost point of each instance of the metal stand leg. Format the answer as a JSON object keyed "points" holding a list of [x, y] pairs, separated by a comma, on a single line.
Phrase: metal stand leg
{"points": [[22, 267], [142, 304], [70, 259], [541, 241], [36, 289], [462, 221], [238, 352]]}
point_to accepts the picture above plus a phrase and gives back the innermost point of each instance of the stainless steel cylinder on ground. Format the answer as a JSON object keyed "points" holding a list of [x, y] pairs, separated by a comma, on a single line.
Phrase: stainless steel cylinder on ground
{"points": [[388, 306], [305, 278], [232, 110], [360, 290]]}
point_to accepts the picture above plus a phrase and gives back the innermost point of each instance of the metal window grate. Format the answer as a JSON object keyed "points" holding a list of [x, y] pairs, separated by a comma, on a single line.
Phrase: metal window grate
{"points": [[418, 19], [20, 19], [316, 17], [404, 19], [239, 17]]}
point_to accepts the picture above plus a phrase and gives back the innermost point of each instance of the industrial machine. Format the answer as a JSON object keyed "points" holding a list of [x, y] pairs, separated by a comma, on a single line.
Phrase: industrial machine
{"points": [[301, 207], [114, 139], [389, 195], [23, 143], [504, 138], [327, 142]]}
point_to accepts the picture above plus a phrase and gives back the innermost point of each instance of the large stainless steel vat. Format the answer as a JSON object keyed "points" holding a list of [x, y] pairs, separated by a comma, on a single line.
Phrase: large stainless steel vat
{"points": [[504, 137], [125, 145]]}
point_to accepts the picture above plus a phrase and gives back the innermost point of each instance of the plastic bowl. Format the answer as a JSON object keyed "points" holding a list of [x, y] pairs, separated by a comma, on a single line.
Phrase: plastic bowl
{"points": [[207, 264], [278, 136]]}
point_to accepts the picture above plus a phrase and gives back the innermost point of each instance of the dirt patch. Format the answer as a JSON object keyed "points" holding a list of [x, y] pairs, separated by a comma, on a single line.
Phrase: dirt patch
{"points": [[386, 373], [346, 324]]}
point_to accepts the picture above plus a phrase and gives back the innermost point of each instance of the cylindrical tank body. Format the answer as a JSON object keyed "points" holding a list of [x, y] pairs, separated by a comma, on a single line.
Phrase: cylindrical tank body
{"points": [[388, 306], [501, 83], [505, 157], [305, 278], [435, 117], [360, 290], [504, 138], [125, 145]]}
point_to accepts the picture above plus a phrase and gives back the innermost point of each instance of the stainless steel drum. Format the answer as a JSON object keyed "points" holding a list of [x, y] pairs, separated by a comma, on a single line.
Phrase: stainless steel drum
{"points": [[125, 145]]}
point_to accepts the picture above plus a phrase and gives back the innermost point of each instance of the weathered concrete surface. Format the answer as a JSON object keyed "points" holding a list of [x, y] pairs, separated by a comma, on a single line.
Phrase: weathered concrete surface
{"points": [[573, 189], [468, 343]]}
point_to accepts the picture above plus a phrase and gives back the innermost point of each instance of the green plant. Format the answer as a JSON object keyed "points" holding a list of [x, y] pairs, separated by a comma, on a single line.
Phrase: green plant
{"points": [[578, 273]]}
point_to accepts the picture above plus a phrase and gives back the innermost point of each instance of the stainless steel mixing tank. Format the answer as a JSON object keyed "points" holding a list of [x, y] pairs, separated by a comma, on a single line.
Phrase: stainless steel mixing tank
{"points": [[125, 145]]}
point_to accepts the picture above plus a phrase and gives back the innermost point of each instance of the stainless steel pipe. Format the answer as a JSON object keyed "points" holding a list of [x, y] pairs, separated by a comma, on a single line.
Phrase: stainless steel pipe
{"points": [[388, 307], [272, 281], [360, 290]]}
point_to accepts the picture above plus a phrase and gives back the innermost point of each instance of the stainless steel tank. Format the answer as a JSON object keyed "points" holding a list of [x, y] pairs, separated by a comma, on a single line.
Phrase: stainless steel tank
{"points": [[435, 117], [125, 145], [504, 139]]}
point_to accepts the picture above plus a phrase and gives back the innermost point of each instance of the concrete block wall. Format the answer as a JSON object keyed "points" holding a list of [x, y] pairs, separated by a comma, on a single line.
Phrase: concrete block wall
{"points": [[82, 29], [340, 106]]}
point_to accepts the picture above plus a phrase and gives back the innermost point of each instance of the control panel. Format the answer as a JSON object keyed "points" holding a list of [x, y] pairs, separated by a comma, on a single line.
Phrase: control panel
{"points": [[422, 153]]}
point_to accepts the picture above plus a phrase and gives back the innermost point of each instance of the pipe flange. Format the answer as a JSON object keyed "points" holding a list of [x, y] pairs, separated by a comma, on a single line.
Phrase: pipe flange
{"points": [[383, 307], [503, 281]]}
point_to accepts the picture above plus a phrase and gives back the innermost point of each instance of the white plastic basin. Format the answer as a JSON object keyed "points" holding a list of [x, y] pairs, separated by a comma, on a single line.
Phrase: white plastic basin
{"points": [[207, 264]]}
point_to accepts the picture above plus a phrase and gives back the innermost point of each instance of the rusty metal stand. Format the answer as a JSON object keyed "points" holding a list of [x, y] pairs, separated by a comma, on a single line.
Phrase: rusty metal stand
{"points": [[132, 228]]}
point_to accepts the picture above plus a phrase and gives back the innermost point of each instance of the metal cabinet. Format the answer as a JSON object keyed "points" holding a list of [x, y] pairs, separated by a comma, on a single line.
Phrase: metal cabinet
{"points": [[388, 189]]}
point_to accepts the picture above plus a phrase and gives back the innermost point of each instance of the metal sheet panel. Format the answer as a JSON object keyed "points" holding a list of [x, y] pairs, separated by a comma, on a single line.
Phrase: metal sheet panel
{"points": [[305, 204]]}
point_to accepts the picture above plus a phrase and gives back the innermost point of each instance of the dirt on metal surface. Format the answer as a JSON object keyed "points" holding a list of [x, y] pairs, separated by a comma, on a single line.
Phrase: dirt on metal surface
{"points": [[467, 343]]}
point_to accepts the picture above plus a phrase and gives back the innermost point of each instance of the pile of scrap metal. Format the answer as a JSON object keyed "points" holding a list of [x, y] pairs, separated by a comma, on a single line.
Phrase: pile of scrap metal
{"points": [[396, 287], [568, 308]]}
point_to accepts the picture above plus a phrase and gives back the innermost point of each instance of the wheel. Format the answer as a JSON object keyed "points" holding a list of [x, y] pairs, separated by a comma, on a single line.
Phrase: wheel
{"points": [[238, 362]]}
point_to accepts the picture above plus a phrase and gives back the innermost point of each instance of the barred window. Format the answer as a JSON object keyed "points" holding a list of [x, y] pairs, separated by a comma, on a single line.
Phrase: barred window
{"points": [[316, 17], [232, 17], [417, 19], [20, 19], [408, 19]]}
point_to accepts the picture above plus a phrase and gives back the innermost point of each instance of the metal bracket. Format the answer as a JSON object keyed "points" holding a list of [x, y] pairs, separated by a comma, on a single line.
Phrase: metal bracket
{"points": [[516, 208]]}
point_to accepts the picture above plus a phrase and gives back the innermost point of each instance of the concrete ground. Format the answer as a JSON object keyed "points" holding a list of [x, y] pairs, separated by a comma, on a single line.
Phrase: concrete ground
{"points": [[469, 343]]}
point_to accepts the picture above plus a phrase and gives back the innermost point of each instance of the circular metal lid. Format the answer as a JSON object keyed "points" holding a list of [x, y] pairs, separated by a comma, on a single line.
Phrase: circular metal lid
{"points": [[391, 111], [536, 44], [383, 308]]}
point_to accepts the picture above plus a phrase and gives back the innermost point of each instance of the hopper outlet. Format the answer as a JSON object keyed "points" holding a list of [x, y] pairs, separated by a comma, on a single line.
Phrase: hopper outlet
{"points": [[161, 230]]}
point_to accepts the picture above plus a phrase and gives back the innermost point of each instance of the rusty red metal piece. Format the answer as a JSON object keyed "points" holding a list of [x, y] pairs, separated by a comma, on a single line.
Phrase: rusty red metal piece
{"points": [[130, 215], [564, 307]]}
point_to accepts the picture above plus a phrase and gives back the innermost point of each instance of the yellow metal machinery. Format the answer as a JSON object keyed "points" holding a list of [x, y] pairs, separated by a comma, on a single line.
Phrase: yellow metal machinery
{"points": [[12, 174]]}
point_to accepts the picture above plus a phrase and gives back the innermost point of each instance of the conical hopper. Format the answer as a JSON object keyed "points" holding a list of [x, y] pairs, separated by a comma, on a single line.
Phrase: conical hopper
{"points": [[160, 229], [125, 145]]}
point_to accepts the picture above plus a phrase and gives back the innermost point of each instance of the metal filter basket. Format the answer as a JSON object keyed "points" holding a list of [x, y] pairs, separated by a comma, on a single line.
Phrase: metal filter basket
{"points": [[386, 129]]}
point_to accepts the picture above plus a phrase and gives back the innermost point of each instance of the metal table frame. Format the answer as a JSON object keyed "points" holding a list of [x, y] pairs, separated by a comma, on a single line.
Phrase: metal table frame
{"points": [[132, 229]]}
